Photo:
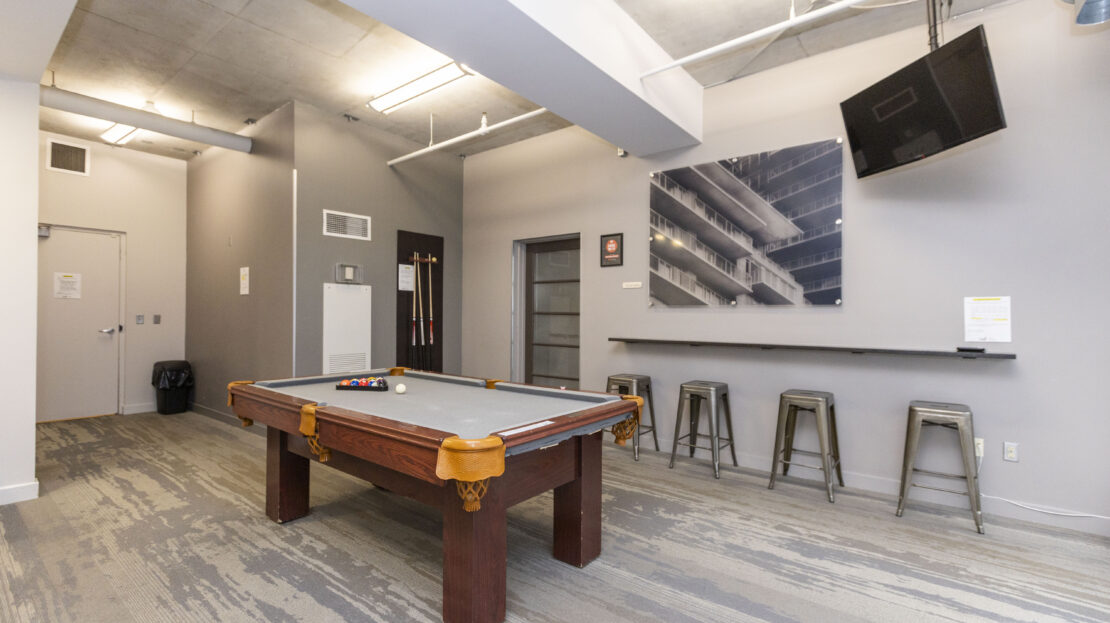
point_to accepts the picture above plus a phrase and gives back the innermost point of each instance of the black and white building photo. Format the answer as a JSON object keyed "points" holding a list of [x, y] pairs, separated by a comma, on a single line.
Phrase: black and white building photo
{"points": [[761, 229]]}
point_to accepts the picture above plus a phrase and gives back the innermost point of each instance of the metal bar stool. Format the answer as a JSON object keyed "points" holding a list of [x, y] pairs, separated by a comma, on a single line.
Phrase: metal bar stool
{"points": [[822, 406], [693, 393], [637, 385], [956, 417]]}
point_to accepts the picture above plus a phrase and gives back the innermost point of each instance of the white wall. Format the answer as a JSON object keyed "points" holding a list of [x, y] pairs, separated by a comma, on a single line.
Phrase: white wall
{"points": [[19, 113], [142, 195], [1022, 212]]}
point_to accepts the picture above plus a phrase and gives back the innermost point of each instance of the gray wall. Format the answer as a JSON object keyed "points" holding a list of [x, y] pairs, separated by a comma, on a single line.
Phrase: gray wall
{"points": [[1022, 213], [341, 166], [240, 213]]}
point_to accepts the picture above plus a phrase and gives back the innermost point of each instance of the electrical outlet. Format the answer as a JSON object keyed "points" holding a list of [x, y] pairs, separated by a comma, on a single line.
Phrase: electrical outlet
{"points": [[1010, 451], [979, 447]]}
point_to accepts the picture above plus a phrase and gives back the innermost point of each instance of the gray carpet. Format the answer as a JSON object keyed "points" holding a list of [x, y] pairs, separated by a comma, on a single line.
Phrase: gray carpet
{"points": [[159, 518]]}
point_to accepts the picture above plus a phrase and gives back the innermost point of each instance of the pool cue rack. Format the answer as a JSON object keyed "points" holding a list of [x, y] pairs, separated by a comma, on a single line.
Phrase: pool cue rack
{"points": [[420, 311]]}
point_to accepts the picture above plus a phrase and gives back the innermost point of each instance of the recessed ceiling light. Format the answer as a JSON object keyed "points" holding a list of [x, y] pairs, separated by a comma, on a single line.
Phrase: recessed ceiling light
{"points": [[119, 134], [421, 85]]}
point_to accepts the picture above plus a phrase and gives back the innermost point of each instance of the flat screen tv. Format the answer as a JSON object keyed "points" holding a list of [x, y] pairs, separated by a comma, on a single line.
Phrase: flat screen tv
{"points": [[944, 99]]}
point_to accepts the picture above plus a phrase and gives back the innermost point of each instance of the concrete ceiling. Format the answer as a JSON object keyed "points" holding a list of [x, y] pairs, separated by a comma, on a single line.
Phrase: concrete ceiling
{"points": [[221, 62]]}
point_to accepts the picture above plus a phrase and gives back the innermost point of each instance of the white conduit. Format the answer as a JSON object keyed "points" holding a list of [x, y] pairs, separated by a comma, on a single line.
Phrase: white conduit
{"points": [[469, 135], [754, 36], [53, 97]]}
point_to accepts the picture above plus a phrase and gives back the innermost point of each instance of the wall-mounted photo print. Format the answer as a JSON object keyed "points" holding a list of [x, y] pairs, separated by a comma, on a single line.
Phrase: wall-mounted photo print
{"points": [[762, 229]]}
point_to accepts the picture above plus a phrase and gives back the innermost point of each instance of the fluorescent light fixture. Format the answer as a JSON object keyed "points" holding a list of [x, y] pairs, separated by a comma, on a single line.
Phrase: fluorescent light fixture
{"points": [[398, 97], [119, 134], [127, 137]]}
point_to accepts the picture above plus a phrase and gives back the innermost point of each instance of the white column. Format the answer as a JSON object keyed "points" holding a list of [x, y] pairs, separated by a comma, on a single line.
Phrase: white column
{"points": [[19, 181]]}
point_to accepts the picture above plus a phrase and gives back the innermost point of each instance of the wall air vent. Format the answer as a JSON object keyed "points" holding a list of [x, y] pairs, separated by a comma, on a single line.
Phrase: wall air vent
{"points": [[67, 157], [346, 225], [347, 362]]}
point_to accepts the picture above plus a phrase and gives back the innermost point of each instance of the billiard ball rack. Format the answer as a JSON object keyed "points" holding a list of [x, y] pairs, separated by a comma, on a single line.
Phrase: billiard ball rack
{"points": [[374, 384]]}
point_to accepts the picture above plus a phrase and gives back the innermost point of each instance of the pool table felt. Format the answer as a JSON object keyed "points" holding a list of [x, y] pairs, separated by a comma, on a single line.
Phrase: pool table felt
{"points": [[467, 410]]}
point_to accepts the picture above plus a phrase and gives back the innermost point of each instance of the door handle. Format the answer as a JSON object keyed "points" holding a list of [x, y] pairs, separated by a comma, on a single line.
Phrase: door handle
{"points": [[109, 330]]}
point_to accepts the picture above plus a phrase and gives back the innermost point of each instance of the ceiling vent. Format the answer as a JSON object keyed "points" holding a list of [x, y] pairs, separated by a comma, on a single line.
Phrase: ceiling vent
{"points": [[67, 157], [346, 225]]}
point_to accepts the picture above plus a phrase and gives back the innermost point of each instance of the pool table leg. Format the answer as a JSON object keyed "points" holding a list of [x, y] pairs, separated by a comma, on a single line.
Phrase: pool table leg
{"points": [[578, 506], [474, 554], [286, 479]]}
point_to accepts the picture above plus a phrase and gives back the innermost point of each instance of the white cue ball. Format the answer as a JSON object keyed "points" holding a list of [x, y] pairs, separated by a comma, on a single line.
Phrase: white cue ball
{"points": [[400, 389]]}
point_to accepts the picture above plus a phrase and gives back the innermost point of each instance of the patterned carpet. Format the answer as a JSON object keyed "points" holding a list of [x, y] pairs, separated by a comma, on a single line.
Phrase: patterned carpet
{"points": [[159, 518]]}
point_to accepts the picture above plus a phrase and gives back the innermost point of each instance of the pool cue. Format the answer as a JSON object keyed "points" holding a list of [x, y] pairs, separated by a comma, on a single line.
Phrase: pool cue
{"points": [[429, 347], [431, 308], [412, 346], [420, 306]]}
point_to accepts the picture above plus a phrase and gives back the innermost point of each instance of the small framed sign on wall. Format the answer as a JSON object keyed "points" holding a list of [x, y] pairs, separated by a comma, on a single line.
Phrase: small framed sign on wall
{"points": [[612, 250]]}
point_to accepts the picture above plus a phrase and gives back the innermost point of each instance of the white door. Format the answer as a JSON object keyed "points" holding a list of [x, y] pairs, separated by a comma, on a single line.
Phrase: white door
{"points": [[79, 324]]}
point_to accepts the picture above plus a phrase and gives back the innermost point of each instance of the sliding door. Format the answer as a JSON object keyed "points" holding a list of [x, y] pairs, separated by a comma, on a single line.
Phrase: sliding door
{"points": [[551, 313]]}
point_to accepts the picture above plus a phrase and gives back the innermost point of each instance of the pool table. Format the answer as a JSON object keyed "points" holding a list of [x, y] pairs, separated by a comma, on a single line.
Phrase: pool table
{"points": [[467, 446]]}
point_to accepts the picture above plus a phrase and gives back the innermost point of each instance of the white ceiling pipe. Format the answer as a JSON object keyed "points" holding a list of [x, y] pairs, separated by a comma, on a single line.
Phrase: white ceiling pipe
{"points": [[754, 36], [68, 101], [469, 135]]}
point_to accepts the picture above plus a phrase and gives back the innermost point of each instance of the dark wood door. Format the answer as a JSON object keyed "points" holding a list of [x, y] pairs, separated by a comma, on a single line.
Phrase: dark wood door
{"points": [[552, 313]]}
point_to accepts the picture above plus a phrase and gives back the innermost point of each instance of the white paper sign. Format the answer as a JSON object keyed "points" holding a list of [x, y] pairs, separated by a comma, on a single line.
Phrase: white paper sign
{"points": [[405, 277], [987, 319], [245, 280], [67, 285]]}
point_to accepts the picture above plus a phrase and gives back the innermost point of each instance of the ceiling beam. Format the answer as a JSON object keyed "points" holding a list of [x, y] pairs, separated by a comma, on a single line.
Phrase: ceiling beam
{"points": [[29, 32], [580, 59]]}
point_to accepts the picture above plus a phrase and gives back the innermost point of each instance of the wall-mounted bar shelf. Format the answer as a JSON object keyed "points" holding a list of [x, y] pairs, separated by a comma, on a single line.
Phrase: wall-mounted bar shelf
{"points": [[834, 349]]}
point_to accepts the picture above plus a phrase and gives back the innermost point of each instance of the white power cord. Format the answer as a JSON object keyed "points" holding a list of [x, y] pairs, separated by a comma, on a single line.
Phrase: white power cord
{"points": [[978, 470]]}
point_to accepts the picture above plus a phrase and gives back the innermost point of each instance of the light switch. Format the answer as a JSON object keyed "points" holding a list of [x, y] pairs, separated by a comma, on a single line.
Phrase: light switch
{"points": [[140, 319], [349, 273], [157, 318]]}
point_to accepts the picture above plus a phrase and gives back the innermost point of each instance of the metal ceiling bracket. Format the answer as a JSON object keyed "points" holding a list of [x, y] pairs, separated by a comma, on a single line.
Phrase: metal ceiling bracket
{"points": [[481, 131], [738, 42]]}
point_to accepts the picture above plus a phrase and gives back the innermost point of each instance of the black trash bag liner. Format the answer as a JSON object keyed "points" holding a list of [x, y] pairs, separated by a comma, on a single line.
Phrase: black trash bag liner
{"points": [[172, 374]]}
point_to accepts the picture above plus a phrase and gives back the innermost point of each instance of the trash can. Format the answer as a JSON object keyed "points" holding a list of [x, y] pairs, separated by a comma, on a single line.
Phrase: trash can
{"points": [[172, 380]]}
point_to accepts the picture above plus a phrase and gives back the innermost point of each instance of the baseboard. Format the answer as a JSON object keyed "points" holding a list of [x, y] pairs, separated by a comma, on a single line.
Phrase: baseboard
{"points": [[18, 493], [138, 407], [762, 463], [210, 412], [226, 418]]}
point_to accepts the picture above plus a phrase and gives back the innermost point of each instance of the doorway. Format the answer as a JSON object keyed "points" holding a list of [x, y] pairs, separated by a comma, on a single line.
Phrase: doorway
{"points": [[551, 312], [80, 321]]}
